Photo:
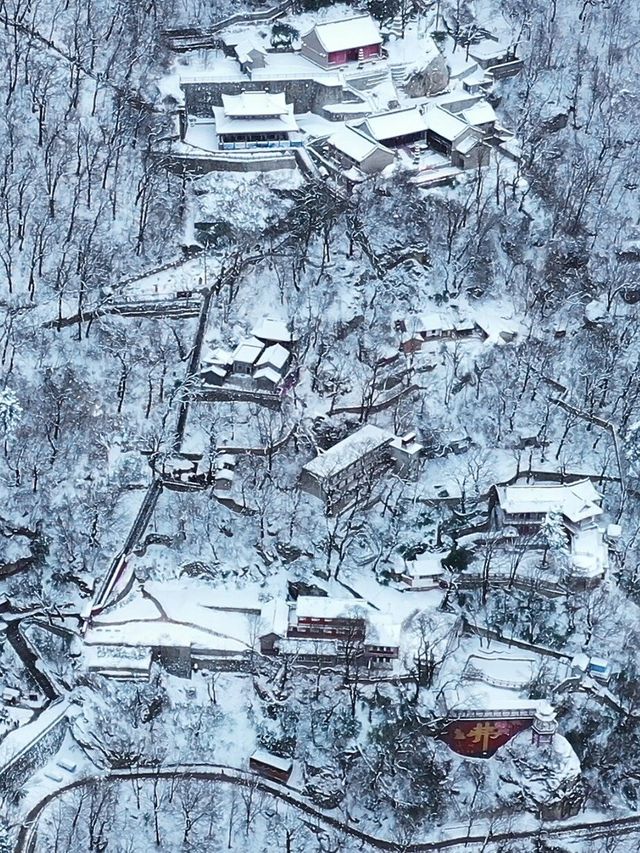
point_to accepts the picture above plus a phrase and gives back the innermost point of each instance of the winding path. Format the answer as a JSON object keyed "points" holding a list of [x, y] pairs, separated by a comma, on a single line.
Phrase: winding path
{"points": [[27, 837]]}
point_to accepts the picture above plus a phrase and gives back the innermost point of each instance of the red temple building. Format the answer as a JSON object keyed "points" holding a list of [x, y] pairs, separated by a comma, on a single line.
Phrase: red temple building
{"points": [[324, 627], [340, 42]]}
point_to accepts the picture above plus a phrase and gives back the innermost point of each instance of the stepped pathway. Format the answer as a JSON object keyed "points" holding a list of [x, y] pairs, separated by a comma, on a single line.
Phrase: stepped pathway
{"points": [[365, 78], [224, 279], [399, 72]]}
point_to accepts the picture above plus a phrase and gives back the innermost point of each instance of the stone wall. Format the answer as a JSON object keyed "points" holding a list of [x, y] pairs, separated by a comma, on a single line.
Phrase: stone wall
{"points": [[224, 664], [305, 95], [35, 754], [244, 395], [176, 660], [202, 164]]}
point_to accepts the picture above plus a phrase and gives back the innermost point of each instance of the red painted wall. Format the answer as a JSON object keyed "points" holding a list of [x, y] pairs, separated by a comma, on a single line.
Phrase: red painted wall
{"points": [[339, 57], [268, 771], [481, 738]]}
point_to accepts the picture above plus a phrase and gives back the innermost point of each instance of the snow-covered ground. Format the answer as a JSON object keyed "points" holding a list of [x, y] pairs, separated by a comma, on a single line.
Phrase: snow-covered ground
{"points": [[530, 250]]}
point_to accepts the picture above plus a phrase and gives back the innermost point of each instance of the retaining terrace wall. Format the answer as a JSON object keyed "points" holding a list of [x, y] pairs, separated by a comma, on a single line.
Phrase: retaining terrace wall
{"points": [[202, 164], [37, 751], [306, 95]]}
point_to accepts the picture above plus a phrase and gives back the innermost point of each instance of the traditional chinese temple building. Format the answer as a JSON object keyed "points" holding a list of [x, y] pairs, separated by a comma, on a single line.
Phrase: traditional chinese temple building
{"points": [[340, 42]]}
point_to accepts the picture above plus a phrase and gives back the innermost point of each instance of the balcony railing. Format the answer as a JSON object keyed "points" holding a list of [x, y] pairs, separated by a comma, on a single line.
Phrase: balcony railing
{"points": [[254, 146]]}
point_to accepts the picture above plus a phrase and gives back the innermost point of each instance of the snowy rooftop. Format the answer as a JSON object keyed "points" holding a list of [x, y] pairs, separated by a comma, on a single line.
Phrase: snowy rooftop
{"points": [[269, 329], [315, 125], [589, 553], [453, 102], [577, 501], [225, 474], [269, 374], [249, 104], [488, 49], [434, 321], [275, 617], [476, 78], [426, 565], [201, 133], [276, 356], [407, 444], [351, 33], [217, 369], [245, 47], [226, 459], [382, 630], [472, 698], [264, 757], [284, 123], [353, 144], [118, 658], [248, 351], [366, 440], [322, 607], [466, 145], [480, 113], [354, 175], [443, 123], [219, 356], [388, 125]]}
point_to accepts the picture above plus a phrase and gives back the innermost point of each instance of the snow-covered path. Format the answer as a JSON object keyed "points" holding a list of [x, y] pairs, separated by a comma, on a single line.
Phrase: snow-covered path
{"points": [[477, 834]]}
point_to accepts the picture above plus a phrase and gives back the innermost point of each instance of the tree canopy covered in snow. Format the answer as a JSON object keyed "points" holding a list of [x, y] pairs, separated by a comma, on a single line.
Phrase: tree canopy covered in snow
{"points": [[229, 389]]}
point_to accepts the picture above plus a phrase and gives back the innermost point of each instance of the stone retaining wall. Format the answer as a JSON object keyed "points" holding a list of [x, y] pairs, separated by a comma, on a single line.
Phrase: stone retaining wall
{"points": [[306, 95]]}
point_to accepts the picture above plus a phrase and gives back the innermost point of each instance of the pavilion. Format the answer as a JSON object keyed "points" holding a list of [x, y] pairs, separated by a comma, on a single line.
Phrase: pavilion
{"points": [[255, 120]]}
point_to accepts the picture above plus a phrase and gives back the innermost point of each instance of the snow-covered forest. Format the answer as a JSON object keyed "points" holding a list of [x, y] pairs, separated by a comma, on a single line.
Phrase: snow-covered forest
{"points": [[320, 484]]}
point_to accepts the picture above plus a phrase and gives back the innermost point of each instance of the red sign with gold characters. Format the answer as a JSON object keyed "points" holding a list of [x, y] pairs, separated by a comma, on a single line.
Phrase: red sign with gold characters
{"points": [[481, 738]]}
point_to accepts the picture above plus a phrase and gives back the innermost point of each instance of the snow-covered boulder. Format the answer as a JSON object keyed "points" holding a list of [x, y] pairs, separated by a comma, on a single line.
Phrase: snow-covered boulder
{"points": [[430, 80], [417, 65], [546, 776]]}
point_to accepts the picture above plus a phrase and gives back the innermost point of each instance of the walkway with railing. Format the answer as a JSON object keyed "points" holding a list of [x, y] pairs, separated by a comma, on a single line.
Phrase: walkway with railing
{"points": [[474, 836], [253, 145], [193, 38]]}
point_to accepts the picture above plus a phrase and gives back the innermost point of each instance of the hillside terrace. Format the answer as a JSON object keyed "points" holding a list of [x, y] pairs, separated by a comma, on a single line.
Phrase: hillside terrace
{"points": [[354, 80]]}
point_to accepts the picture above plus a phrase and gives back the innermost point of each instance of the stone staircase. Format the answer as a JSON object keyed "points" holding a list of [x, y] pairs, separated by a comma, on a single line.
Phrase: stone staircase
{"points": [[367, 77], [399, 73]]}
